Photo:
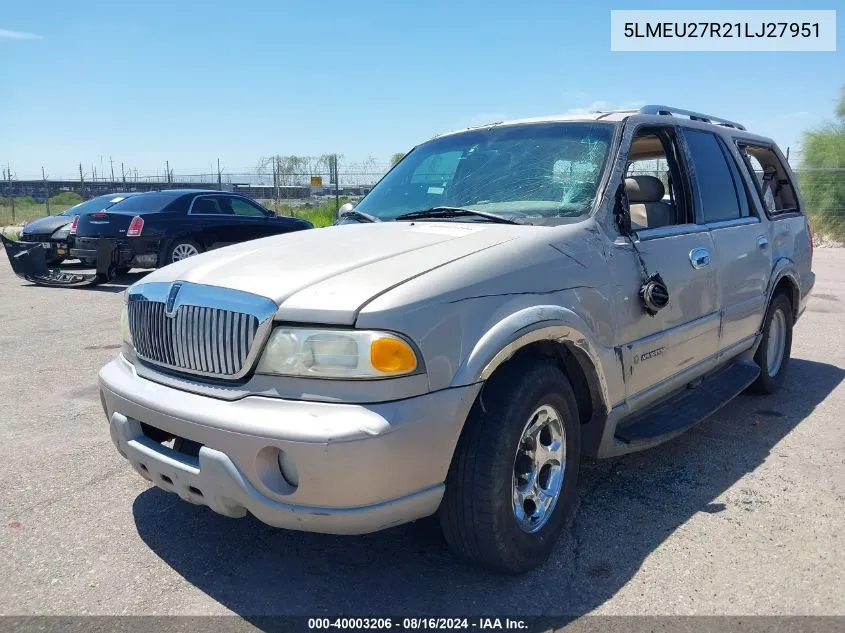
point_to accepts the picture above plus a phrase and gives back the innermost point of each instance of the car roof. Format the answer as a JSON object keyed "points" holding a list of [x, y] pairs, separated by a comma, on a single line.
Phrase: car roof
{"points": [[183, 192], [644, 114], [175, 193]]}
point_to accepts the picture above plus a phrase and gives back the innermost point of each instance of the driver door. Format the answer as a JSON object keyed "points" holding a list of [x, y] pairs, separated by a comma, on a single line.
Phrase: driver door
{"points": [[662, 352]]}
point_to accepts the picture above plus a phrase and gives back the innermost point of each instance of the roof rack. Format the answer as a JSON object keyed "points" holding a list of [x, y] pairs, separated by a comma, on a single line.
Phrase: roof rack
{"points": [[693, 116]]}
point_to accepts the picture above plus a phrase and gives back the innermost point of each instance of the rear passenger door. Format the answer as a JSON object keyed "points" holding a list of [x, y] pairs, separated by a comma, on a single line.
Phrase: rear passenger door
{"points": [[742, 253]]}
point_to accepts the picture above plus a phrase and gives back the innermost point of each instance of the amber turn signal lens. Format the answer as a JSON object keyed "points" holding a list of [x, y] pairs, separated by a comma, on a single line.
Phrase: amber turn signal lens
{"points": [[392, 356]]}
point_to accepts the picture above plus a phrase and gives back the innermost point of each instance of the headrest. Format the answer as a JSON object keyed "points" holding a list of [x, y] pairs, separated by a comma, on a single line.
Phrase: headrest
{"points": [[644, 189]]}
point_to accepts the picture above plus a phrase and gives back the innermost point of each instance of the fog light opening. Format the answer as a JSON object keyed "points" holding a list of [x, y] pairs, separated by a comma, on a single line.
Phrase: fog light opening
{"points": [[288, 469]]}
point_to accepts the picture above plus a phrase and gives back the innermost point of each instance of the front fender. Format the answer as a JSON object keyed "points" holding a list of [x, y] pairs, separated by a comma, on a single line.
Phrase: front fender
{"points": [[538, 323]]}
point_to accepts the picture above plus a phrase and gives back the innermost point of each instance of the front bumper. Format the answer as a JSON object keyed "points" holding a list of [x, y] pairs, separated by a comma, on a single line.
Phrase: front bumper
{"points": [[53, 249], [361, 468]]}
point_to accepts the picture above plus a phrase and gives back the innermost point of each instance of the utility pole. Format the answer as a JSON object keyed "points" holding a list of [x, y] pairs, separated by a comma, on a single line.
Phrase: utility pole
{"points": [[219, 177], [276, 182], [111, 165], [46, 192], [11, 193], [167, 167], [333, 175], [81, 180], [122, 174]]}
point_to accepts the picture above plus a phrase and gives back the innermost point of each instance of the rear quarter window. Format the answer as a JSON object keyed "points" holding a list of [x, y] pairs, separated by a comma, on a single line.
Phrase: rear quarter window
{"points": [[775, 188]]}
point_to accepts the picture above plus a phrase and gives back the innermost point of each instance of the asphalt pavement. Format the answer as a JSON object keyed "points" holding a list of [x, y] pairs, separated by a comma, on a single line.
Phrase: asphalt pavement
{"points": [[744, 514]]}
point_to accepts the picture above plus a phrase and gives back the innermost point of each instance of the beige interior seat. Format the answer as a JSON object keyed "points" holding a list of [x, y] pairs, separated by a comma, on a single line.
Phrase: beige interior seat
{"points": [[648, 210]]}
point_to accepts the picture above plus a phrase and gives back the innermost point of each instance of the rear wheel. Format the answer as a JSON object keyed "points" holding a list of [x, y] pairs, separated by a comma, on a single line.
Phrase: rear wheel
{"points": [[511, 488], [775, 347], [182, 248]]}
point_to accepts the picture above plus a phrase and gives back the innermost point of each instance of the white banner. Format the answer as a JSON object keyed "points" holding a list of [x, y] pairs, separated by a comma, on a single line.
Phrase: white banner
{"points": [[706, 30]]}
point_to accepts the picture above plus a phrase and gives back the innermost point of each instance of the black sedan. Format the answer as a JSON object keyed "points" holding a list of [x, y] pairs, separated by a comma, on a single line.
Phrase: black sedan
{"points": [[160, 227], [52, 231]]}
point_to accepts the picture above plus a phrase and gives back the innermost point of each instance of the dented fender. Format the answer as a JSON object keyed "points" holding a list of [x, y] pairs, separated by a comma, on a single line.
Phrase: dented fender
{"points": [[541, 323]]}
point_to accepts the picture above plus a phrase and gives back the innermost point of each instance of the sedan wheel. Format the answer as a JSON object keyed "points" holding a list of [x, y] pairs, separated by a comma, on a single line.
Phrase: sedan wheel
{"points": [[183, 251]]}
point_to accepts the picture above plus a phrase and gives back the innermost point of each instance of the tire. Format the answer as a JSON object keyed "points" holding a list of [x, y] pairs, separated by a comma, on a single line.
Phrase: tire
{"points": [[477, 514], [55, 261], [778, 319], [181, 245], [120, 271]]}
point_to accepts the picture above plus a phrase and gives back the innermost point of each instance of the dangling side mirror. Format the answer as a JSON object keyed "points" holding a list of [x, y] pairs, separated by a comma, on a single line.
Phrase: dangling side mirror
{"points": [[345, 208], [622, 210]]}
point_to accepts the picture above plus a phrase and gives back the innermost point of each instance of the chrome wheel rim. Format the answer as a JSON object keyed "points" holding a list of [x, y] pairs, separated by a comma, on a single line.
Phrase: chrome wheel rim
{"points": [[776, 344], [183, 251], [538, 468]]}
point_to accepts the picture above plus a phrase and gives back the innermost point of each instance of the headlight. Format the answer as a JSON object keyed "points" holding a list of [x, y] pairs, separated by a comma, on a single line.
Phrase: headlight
{"points": [[336, 354], [125, 330], [62, 233]]}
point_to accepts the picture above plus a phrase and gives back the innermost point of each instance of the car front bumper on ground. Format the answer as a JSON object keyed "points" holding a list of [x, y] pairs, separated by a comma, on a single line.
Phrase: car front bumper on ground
{"points": [[360, 468], [53, 249]]}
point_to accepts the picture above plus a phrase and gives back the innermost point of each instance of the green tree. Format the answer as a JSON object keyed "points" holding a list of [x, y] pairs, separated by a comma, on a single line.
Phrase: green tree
{"points": [[396, 158], [822, 175]]}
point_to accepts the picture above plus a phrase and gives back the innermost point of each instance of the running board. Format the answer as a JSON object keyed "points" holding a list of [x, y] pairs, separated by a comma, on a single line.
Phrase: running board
{"points": [[28, 262], [683, 411]]}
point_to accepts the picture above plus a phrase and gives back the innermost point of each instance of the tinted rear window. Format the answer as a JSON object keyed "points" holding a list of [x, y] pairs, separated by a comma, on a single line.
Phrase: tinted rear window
{"points": [[92, 206], [717, 195], [145, 203]]}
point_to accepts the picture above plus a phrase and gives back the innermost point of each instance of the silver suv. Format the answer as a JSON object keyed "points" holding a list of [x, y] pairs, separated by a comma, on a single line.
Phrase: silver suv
{"points": [[507, 300]]}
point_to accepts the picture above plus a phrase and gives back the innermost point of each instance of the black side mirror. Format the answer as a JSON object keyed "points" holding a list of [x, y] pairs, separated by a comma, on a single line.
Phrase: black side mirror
{"points": [[271, 214], [622, 210]]}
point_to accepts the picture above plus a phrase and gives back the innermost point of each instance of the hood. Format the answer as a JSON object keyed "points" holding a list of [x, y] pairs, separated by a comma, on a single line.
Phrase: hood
{"points": [[326, 275], [50, 224]]}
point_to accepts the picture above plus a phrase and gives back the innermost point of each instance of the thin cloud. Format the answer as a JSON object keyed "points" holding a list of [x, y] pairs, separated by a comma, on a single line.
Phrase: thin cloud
{"points": [[6, 34], [603, 106], [794, 115]]}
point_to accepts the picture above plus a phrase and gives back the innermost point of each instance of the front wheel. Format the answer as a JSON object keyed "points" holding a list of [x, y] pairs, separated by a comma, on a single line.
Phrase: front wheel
{"points": [[511, 488], [775, 347]]}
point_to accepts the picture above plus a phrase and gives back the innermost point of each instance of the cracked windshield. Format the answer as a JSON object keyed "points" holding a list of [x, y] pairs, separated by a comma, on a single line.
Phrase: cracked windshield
{"points": [[530, 173]]}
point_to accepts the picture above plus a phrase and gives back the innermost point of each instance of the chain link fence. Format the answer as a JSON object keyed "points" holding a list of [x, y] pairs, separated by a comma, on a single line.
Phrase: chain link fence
{"points": [[24, 200], [320, 190]]}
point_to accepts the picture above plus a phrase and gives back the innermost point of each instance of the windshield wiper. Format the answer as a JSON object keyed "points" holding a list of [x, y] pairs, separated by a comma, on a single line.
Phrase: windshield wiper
{"points": [[453, 212], [360, 215]]}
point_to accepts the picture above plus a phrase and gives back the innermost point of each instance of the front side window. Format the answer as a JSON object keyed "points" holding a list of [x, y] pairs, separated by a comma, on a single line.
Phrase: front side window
{"points": [[716, 194], [540, 173], [653, 180]]}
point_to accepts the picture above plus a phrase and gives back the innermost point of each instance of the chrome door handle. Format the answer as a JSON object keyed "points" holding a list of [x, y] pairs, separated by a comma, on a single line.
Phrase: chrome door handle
{"points": [[699, 258], [762, 243]]}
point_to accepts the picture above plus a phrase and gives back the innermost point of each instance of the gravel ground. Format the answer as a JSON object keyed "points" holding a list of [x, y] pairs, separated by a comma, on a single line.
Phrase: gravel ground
{"points": [[741, 515]]}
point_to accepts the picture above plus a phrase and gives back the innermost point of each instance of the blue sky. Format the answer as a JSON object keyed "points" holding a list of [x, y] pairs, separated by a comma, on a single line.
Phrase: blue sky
{"points": [[190, 82]]}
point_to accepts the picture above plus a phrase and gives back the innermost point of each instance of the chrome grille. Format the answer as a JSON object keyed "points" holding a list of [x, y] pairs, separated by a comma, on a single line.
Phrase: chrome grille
{"points": [[196, 336]]}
